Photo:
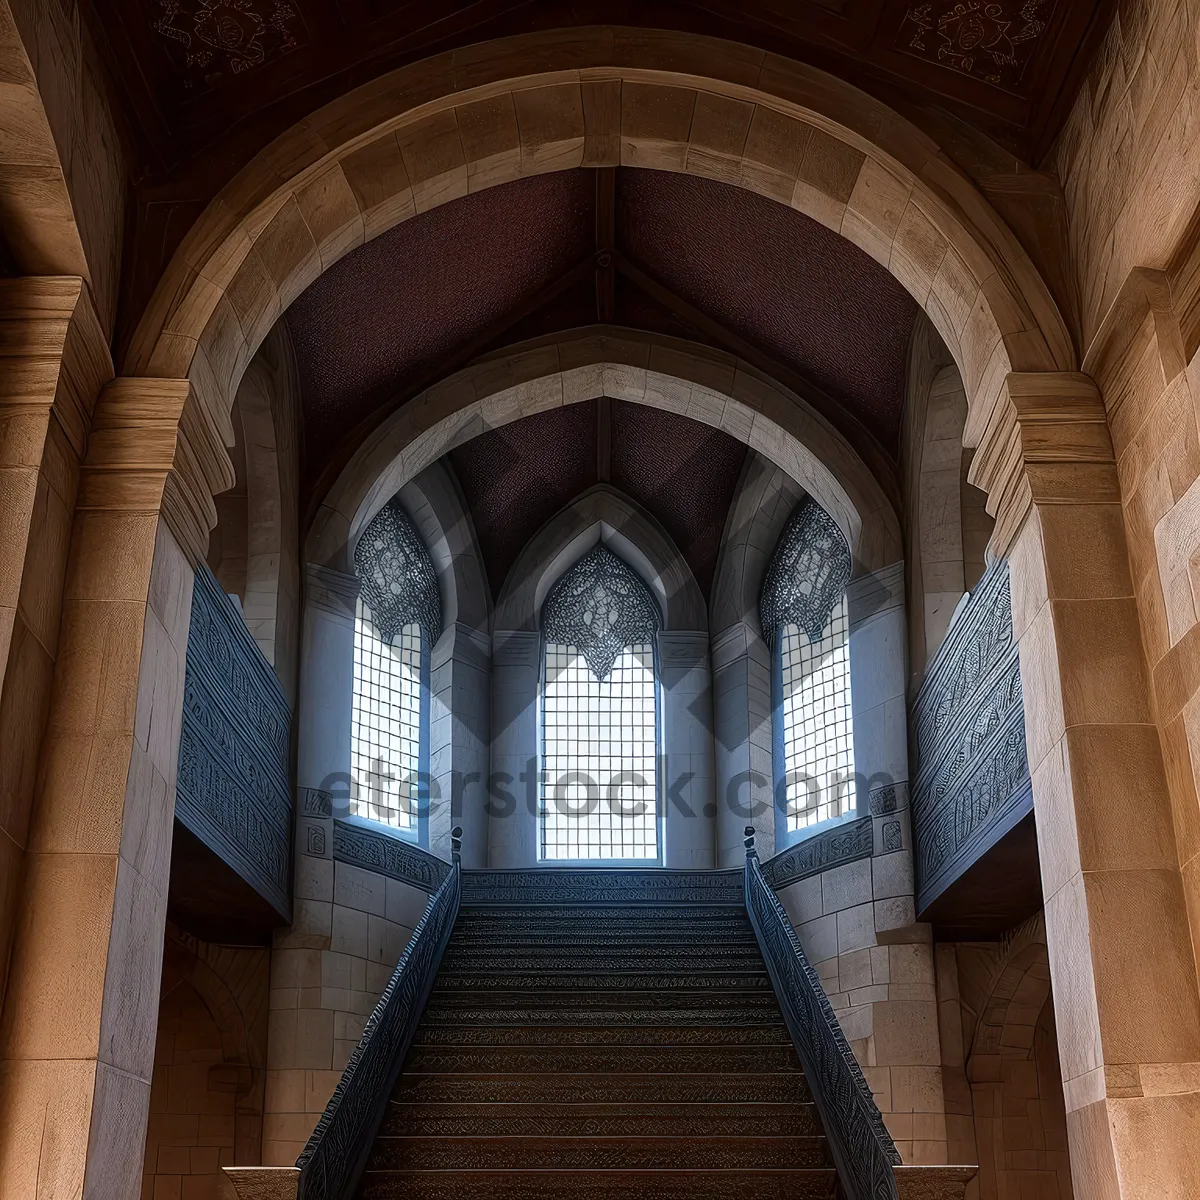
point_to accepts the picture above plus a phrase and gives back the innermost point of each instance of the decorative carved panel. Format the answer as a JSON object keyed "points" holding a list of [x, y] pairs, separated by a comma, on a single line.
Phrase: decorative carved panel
{"points": [[972, 782], [991, 41], [232, 790], [841, 844], [210, 41], [386, 854]]}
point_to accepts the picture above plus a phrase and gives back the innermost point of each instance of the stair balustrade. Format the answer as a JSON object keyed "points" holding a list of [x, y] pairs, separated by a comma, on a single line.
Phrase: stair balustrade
{"points": [[859, 1143], [333, 1160]]}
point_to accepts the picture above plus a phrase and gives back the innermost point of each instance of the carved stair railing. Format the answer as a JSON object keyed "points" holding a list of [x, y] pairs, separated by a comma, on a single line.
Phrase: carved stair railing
{"points": [[862, 1149], [333, 1159]]}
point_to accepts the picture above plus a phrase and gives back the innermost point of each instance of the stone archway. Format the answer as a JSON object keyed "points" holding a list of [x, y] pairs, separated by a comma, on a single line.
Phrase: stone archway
{"points": [[695, 381], [460, 122]]}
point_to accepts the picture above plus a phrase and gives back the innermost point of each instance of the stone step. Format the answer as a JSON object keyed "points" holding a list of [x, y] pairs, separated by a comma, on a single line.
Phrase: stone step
{"points": [[600, 1120], [652, 1153], [614, 1007], [563, 958], [782, 1087], [530, 940], [618, 915], [518, 980], [818, 1184], [492, 1032], [543, 1060]]}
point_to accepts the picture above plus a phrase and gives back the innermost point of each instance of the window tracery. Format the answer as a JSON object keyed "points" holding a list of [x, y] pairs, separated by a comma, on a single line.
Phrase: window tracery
{"points": [[398, 617], [599, 714], [805, 619]]}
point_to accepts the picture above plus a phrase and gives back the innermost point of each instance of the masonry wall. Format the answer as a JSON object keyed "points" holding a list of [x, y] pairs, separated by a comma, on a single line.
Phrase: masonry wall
{"points": [[1129, 159], [327, 972], [90, 133], [206, 1096]]}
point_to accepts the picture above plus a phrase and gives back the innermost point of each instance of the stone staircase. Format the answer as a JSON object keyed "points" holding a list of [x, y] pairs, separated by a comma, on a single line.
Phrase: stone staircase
{"points": [[606, 1049]]}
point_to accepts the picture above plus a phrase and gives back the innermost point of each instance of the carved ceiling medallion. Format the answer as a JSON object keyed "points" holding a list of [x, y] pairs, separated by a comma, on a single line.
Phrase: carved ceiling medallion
{"points": [[219, 36], [994, 42]]}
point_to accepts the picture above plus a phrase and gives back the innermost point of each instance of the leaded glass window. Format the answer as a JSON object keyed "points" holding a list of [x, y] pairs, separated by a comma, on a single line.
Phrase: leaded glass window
{"points": [[599, 708], [806, 621], [398, 617]]}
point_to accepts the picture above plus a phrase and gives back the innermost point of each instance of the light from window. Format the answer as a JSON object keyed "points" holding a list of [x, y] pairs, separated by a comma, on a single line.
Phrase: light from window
{"points": [[599, 788], [818, 729], [385, 744]]}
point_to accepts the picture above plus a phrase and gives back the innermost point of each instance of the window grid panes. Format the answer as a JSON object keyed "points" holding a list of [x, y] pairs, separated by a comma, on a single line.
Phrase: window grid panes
{"points": [[818, 729], [599, 783], [386, 725]]}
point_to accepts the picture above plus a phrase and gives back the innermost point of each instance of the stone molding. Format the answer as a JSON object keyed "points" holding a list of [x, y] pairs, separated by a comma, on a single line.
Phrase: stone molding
{"points": [[601, 516], [330, 591], [36, 208], [1047, 442], [707, 385], [152, 448]]}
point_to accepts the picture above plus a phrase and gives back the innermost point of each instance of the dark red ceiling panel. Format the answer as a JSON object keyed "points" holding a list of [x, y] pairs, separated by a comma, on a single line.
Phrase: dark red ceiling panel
{"points": [[516, 478], [781, 281], [412, 295]]}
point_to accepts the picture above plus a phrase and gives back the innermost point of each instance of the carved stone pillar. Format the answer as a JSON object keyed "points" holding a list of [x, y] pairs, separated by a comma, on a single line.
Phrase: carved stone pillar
{"points": [[53, 362], [80, 1016], [1121, 960]]}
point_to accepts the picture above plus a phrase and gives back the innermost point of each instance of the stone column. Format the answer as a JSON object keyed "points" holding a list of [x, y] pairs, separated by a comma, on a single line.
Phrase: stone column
{"points": [[877, 681], [326, 686], [741, 668], [1121, 959], [512, 824], [458, 752], [689, 834], [80, 1016], [53, 362]]}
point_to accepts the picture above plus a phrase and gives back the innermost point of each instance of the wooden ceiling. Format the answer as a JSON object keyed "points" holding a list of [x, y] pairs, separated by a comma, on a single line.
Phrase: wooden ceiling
{"points": [[207, 83]]}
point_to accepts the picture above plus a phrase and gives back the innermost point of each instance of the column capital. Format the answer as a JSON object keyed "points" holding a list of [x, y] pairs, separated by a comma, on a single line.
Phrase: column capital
{"points": [[155, 448], [1046, 442]]}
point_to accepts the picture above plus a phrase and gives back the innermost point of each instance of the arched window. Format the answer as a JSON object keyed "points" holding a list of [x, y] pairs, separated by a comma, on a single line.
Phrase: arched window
{"points": [[398, 617], [599, 709], [805, 622]]}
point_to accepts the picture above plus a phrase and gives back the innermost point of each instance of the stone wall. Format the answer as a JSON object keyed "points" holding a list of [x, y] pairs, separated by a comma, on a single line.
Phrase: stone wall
{"points": [[1129, 154], [206, 1097], [327, 972], [857, 927], [1129, 159], [89, 132]]}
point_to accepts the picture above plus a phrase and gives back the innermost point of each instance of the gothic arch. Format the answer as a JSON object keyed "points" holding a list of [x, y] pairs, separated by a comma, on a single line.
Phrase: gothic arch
{"points": [[602, 515], [437, 509], [465, 120], [680, 376], [766, 496]]}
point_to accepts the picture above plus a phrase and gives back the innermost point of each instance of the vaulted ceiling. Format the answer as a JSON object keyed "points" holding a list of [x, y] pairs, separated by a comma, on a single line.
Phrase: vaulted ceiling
{"points": [[681, 472], [208, 83], [667, 253]]}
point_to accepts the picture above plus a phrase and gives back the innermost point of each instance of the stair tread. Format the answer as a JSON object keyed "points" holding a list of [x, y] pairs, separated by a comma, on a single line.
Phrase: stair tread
{"points": [[601, 1052]]}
